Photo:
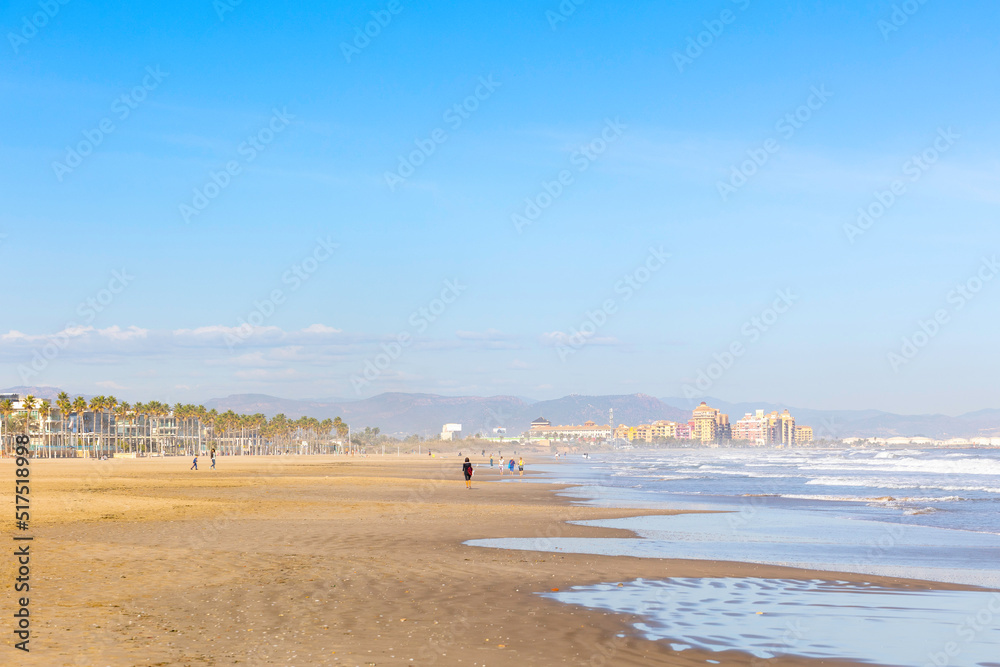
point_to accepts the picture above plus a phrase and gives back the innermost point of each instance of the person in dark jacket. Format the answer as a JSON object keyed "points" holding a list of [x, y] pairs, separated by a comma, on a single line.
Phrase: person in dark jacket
{"points": [[467, 471]]}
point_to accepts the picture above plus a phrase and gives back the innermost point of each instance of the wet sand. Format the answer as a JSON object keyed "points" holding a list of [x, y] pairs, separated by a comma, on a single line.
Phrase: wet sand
{"points": [[323, 561]]}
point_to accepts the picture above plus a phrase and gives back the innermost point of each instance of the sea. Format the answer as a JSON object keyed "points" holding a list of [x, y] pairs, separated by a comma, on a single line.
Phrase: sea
{"points": [[929, 514]]}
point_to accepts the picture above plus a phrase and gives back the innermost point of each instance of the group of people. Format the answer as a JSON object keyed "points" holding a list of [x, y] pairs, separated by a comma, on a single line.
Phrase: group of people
{"points": [[468, 470], [510, 465], [194, 464]]}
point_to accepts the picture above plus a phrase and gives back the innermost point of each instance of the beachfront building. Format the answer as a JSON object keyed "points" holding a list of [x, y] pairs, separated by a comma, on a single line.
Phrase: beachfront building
{"points": [[451, 432], [587, 431], [751, 428], [655, 432], [104, 427], [773, 428], [664, 430], [708, 424], [786, 428]]}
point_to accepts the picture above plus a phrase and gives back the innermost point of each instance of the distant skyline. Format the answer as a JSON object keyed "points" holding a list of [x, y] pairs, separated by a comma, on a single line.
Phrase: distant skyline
{"points": [[793, 202]]}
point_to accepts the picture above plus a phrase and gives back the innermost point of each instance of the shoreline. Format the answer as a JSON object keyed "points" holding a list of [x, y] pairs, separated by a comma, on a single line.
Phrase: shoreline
{"points": [[314, 560]]}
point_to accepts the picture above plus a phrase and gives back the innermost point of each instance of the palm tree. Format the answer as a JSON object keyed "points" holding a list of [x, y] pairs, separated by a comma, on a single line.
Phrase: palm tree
{"points": [[44, 410], [141, 418], [80, 408], [325, 427], [122, 411], [110, 403], [6, 410], [212, 419], [62, 402], [97, 407], [259, 423], [29, 404]]}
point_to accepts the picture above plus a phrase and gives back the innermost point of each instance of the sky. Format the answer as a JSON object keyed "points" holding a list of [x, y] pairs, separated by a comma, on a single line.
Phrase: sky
{"points": [[787, 201]]}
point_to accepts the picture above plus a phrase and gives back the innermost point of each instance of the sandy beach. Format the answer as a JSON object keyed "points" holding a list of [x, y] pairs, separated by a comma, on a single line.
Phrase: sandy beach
{"points": [[316, 560]]}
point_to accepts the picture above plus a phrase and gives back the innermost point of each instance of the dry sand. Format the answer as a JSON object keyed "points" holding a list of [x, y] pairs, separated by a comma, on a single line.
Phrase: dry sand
{"points": [[320, 561]]}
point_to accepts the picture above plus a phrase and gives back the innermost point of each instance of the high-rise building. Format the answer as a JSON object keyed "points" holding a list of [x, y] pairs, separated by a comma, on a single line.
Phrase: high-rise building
{"points": [[708, 424], [773, 428], [751, 428]]}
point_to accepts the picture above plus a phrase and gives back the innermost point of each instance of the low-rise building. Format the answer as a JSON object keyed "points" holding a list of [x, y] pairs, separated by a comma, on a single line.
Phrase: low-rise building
{"points": [[587, 431]]}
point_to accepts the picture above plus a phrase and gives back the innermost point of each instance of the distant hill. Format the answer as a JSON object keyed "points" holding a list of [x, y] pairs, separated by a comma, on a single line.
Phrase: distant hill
{"points": [[250, 404], [629, 409], [41, 393], [400, 413]]}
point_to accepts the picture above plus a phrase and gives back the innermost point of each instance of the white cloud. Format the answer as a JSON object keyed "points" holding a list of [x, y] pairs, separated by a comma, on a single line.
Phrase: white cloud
{"points": [[489, 334], [110, 384], [320, 329], [553, 338], [116, 333]]}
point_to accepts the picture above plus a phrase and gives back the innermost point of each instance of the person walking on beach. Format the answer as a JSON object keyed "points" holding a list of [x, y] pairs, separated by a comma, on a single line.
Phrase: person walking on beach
{"points": [[194, 465], [467, 471], [510, 466], [491, 461], [213, 458], [520, 466]]}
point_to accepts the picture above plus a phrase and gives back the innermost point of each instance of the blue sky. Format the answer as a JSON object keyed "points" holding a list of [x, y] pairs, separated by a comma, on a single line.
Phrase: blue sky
{"points": [[204, 84]]}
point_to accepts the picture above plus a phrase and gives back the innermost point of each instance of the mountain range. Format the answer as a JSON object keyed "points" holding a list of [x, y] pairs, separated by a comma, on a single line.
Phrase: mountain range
{"points": [[424, 414]]}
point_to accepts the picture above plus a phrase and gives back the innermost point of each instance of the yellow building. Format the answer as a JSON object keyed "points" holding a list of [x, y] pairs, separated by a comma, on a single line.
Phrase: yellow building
{"points": [[803, 435], [708, 424], [787, 428], [658, 430], [664, 429]]}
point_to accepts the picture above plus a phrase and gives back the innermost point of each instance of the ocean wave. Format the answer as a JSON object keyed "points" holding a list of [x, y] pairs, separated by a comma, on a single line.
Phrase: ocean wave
{"points": [[880, 484], [923, 510], [881, 501], [963, 466]]}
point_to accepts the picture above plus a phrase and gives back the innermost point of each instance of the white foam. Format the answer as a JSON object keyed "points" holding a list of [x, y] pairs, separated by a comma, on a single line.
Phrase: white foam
{"points": [[869, 482], [964, 466], [897, 454]]}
